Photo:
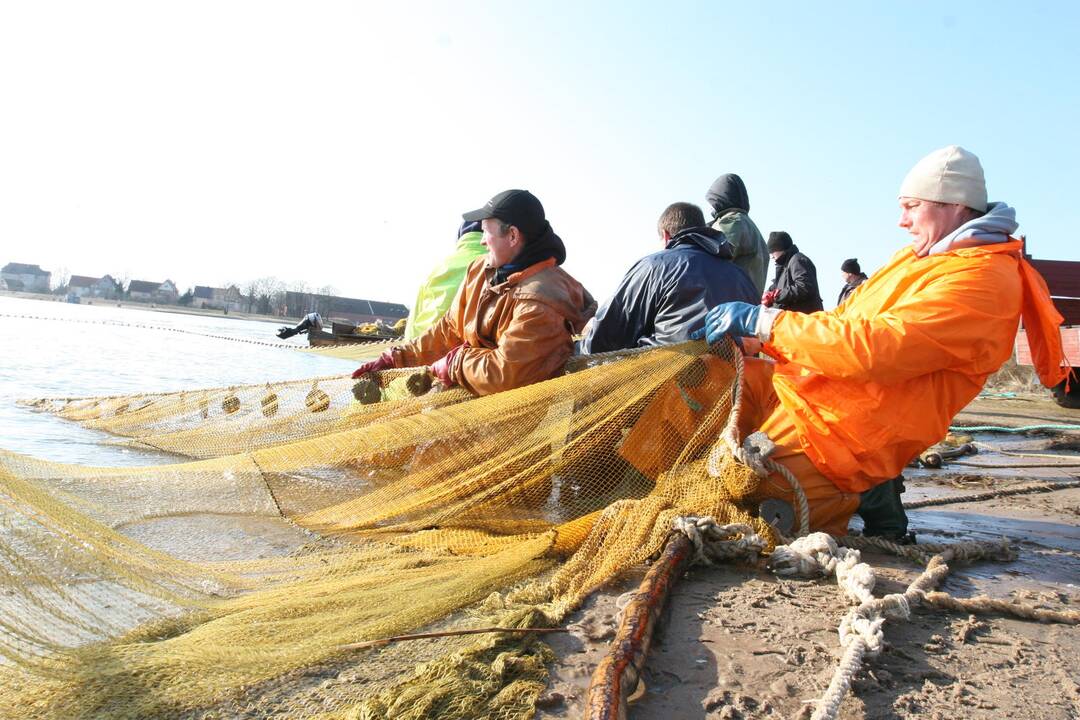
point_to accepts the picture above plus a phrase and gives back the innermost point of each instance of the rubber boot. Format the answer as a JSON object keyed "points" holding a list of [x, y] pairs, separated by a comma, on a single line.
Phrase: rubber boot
{"points": [[883, 512]]}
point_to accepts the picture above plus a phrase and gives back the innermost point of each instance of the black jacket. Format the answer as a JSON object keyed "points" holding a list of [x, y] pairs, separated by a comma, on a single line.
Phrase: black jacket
{"points": [[664, 296], [796, 283], [850, 287]]}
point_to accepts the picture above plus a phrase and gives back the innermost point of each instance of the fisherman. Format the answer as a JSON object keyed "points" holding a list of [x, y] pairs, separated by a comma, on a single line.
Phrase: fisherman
{"points": [[853, 277], [731, 215], [435, 295], [794, 286], [665, 295], [852, 395], [511, 322]]}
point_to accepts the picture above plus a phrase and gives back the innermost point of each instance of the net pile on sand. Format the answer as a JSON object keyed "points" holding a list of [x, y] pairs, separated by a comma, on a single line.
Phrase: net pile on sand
{"points": [[421, 514]]}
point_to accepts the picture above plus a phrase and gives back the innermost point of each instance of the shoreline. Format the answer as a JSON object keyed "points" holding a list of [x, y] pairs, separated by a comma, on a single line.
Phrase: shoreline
{"points": [[151, 307]]}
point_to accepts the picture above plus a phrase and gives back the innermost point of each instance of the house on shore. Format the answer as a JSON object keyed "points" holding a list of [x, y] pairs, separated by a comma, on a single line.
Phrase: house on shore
{"points": [[354, 310], [155, 292], [208, 298], [25, 278], [83, 286]]}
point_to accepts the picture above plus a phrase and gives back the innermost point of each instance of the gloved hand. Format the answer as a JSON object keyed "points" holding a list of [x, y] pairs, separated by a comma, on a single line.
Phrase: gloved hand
{"points": [[441, 367], [383, 362], [769, 297], [737, 319]]}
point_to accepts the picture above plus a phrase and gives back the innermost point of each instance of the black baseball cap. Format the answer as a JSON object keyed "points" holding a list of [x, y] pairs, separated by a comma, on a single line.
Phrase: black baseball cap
{"points": [[514, 207]]}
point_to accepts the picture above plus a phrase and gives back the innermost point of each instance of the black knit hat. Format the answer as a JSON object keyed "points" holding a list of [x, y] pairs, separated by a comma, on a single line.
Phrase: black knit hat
{"points": [[851, 265], [779, 240]]}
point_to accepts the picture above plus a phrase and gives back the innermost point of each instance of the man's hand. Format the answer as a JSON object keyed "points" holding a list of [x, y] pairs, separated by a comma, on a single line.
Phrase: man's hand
{"points": [[769, 298], [441, 367], [383, 362], [737, 319]]}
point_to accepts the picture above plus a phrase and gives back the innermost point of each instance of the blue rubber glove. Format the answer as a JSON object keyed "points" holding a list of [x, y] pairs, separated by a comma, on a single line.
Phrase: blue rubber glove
{"points": [[738, 319]]}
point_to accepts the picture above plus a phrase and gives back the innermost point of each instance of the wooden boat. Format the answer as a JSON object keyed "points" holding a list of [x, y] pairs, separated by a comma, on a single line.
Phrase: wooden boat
{"points": [[341, 334]]}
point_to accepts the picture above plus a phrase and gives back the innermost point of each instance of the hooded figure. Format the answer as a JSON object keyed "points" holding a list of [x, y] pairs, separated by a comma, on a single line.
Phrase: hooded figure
{"points": [[664, 296], [795, 285], [731, 207]]}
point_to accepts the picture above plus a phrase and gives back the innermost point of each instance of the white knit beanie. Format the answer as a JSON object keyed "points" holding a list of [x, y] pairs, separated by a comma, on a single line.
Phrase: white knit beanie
{"points": [[951, 175]]}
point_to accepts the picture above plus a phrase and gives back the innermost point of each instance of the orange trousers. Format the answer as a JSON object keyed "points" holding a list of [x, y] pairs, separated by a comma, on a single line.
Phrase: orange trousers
{"points": [[830, 507]]}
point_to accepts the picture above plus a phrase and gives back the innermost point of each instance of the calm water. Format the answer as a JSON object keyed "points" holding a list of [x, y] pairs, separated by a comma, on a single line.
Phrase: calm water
{"points": [[55, 349]]}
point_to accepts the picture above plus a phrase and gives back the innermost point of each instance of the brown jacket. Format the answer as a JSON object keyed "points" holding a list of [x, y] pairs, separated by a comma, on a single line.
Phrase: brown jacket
{"points": [[518, 331]]}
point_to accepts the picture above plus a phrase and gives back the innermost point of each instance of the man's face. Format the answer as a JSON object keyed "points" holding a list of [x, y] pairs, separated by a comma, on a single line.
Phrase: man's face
{"points": [[927, 222], [502, 248], [775, 254]]}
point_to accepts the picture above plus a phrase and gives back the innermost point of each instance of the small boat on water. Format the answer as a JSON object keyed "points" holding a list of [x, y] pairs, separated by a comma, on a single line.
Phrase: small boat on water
{"points": [[341, 333]]}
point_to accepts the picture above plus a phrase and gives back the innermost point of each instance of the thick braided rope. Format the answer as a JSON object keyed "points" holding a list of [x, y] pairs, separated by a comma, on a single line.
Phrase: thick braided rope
{"points": [[991, 494], [860, 631], [714, 543], [754, 451]]}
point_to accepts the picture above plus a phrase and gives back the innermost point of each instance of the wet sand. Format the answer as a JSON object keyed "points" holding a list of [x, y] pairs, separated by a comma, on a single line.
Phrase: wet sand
{"points": [[738, 642]]}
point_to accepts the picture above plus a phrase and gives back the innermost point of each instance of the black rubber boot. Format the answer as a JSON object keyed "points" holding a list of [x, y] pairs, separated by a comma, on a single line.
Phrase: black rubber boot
{"points": [[883, 512]]}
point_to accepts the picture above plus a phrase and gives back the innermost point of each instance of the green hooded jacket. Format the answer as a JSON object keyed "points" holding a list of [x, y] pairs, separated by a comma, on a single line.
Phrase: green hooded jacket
{"points": [[437, 293], [747, 245]]}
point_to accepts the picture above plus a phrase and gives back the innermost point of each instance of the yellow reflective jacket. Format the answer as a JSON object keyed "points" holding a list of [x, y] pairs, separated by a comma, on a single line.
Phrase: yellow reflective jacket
{"points": [[876, 381], [437, 293]]}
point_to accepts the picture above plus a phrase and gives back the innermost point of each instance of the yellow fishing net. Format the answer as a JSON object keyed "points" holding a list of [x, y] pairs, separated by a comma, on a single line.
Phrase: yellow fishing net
{"points": [[426, 514]]}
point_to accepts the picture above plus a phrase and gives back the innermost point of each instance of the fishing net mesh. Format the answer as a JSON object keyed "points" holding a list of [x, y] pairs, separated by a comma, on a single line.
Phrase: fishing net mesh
{"points": [[123, 594]]}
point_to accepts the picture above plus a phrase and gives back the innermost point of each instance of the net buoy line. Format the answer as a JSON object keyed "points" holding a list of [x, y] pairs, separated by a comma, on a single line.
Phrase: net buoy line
{"points": [[141, 326]]}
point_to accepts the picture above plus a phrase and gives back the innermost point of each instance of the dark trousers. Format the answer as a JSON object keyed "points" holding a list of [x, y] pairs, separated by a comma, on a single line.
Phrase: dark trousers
{"points": [[882, 510]]}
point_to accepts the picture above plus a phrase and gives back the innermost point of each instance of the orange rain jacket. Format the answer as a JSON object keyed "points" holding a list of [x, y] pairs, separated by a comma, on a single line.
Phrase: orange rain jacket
{"points": [[518, 332], [876, 381]]}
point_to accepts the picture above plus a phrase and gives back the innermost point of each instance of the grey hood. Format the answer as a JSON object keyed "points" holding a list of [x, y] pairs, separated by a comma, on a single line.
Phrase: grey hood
{"points": [[995, 226]]}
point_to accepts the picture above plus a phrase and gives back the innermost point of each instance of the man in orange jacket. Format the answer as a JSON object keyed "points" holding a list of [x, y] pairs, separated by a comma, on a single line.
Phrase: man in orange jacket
{"points": [[853, 394], [511, 322]]}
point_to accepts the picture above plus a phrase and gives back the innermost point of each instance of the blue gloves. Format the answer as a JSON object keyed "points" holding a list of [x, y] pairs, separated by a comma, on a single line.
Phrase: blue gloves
{"points": [[738, 319]]}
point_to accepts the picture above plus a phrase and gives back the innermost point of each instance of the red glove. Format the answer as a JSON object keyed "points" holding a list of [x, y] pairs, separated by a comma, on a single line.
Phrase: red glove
{"points": [[383, 362], [441, 367], [769, 298]]}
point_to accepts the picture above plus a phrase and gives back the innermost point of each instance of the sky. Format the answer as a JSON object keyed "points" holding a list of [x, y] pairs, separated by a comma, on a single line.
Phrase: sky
{"points": [[337, 144]]}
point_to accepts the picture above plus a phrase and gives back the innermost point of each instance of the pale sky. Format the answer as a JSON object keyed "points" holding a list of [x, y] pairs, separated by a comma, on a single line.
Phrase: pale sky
{"points": [[338, 143]]}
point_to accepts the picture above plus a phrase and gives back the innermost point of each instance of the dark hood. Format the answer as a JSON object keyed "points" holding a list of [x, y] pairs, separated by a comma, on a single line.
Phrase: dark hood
{"points": [[708, 239], [546, 245], [727, 193]]}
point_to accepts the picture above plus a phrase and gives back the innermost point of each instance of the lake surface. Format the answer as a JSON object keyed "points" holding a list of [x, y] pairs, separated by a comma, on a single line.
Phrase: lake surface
{"points": [[56, 349]]}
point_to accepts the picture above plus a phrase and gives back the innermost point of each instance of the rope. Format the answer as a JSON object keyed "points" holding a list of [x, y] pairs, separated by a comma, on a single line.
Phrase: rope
{"points": [[985, 605], [991, 494], [715, 543], [860, 631], [164, 328], [1002, 466], [1012, 453], [1003, 429]]}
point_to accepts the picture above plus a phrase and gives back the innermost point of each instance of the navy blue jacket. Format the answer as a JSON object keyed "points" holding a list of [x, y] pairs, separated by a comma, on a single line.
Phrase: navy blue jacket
{"points": [[664, 296]]}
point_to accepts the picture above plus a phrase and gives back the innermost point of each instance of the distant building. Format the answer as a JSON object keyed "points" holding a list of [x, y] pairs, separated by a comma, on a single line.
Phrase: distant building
{"points": [[167, 293], [210, 298], [332, 307], [82, 286], [157, 292], [28, 278]]}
